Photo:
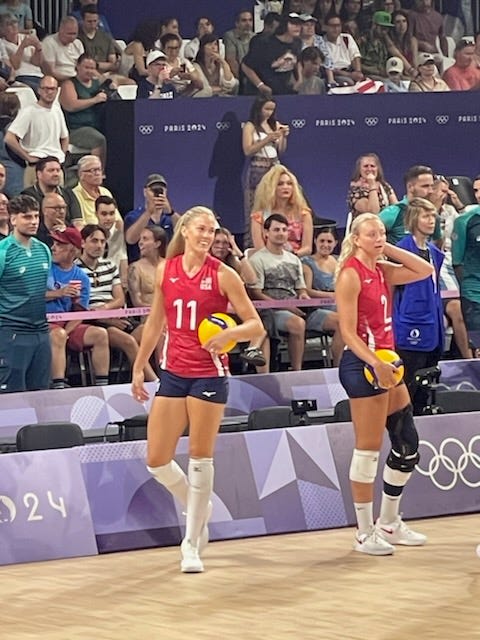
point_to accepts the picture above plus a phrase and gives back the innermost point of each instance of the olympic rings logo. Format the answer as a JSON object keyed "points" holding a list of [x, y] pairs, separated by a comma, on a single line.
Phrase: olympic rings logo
{"points": [[440, 460], [371, 121], [298, 123], [442, 119], [145, 129], [223, 126]]}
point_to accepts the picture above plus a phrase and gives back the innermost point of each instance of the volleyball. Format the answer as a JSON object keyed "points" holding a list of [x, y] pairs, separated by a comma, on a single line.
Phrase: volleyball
{"points": [[387, 355], [213, 324]]}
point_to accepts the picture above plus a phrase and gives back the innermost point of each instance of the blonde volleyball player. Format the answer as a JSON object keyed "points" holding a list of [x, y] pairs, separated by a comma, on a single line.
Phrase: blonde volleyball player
{"points": [[363, 295], [190, 285]]}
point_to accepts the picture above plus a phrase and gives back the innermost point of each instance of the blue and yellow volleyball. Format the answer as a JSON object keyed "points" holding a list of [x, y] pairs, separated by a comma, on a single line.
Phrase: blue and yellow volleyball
{"points": [[212, 325], [387, 355]]}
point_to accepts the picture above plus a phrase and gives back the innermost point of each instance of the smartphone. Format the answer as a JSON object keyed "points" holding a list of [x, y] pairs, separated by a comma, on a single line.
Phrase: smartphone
{"points": [[183, 67], [158, 191]]}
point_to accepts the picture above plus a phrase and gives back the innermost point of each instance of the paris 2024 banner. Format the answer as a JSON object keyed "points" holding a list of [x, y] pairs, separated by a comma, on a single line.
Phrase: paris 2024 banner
{"points": [[196, 144]]}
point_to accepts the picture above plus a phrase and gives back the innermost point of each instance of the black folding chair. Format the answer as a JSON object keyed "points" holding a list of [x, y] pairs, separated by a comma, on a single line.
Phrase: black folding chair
{"points": [[49, 435]]}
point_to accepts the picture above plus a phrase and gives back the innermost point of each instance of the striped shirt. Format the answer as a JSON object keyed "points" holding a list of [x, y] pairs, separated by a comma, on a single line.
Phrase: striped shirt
{"points": [[102, 280], [23, 283]]}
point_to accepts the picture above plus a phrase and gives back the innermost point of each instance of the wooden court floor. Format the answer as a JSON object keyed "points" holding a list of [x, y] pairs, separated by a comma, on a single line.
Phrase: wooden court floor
{"points": [[300, 586]]}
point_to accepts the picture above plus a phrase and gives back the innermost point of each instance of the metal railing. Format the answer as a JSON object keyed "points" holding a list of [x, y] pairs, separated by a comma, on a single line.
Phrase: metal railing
{"points": [[49, 12]]}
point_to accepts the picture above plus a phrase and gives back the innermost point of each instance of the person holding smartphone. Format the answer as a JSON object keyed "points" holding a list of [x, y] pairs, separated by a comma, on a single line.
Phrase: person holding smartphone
{"points": [[156, 210]]}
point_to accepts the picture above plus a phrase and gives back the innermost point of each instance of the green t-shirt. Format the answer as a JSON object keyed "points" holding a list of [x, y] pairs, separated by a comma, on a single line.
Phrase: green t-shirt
{"points": [[393, 219], [466, 252], [23, 283]]}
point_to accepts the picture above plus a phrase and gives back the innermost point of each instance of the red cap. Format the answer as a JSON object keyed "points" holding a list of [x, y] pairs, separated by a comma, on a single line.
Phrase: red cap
{"points": [[70, 235]]}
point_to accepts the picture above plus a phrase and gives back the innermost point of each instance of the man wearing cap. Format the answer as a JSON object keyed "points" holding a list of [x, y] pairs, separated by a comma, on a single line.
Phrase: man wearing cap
{"points": [[427, 79], [156, 210], [311, 39], [464, 75], [24, 265], [68, 289], [156, 84], [271, 68], [376, 46], [395, 84]]}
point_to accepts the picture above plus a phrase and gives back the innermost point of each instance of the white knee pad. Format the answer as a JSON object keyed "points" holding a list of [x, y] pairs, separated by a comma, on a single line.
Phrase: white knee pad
{"points": [[363, 467], [172, 477], [200, 475]]}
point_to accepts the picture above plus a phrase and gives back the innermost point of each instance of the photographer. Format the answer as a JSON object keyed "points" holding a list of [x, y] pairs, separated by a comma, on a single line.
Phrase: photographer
{"points": [[156, 210], [82, 98]]}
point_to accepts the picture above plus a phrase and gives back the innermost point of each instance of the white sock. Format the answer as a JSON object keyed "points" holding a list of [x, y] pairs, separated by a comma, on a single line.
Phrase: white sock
{"points": [[172, 477], [390, 505], [200, 487], [364, 513]]}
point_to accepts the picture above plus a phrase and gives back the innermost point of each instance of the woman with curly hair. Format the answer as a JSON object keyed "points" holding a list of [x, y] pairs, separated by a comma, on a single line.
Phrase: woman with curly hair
{"points": [[369, 192], [279, 192]]}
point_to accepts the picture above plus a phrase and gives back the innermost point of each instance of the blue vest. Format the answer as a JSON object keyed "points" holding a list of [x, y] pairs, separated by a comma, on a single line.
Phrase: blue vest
{"points": [[417, 306]]}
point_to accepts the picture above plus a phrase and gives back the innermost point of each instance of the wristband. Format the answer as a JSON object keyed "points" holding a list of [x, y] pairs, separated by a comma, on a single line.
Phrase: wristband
{"points": [[260, 84], [241, 257]]}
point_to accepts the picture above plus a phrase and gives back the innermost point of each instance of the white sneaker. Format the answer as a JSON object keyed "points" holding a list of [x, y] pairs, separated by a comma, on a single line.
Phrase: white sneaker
{"points": [[372, 544], [204, 534], [397, 532], [191, 562]]}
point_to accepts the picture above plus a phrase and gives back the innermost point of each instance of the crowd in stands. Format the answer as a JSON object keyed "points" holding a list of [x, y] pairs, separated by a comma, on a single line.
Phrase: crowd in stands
{"points": [[99, 258]]}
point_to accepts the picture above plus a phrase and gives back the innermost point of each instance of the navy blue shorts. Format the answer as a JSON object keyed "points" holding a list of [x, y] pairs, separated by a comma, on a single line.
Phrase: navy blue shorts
{"points": [[350, 372], [209, 389]]}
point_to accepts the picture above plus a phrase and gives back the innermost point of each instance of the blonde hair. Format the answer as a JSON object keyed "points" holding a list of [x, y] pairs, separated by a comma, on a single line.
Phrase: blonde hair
{"points": [[265, 193], [415, 207], [176, 246], [348, 247]]}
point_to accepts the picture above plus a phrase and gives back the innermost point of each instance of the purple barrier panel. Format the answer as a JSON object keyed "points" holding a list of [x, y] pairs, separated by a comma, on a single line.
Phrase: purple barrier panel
{"points": [[94, 407], [44, 511], [447, 478], [265, 482]]}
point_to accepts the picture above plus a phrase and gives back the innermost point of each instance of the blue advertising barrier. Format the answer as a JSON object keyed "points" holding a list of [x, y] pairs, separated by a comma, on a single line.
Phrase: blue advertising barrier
{"points": [[196, 144]]}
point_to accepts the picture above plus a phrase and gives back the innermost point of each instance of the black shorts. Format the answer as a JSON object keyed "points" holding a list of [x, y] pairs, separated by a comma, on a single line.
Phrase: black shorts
{"points": [[208, 389], [350, 372]]}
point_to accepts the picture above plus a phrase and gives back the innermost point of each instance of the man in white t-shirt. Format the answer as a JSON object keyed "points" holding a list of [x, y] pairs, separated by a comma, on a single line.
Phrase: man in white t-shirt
{"points": [[39, 130], [344, 51], [62, 50]]}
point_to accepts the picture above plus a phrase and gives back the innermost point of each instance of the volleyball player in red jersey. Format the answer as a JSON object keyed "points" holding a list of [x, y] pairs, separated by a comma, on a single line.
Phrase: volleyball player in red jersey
{"points": [[190, 285], [363, 295]]}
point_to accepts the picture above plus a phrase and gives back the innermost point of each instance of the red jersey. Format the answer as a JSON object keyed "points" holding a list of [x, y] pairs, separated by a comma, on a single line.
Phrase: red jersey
{"points": [[374, 322], [187, 302]]}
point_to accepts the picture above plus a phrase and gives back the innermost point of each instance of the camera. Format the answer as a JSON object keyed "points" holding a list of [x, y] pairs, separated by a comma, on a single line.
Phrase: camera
{"points": [[157, 190], [108, 90], [301, 407], [426, 378]]}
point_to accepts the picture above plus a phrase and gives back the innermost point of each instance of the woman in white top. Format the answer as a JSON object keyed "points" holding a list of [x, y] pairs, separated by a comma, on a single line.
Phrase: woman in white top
{"points": [[264, 138], [24, 51], [214, 71]]}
